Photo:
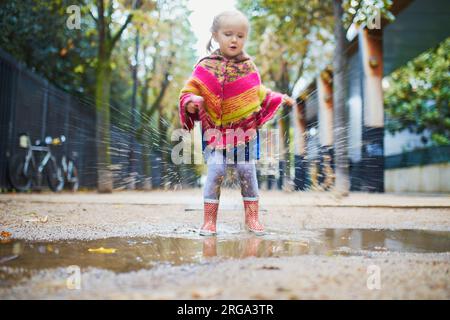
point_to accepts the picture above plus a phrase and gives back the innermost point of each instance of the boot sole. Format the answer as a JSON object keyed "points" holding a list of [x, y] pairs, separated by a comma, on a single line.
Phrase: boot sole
{"points": [[207, 233], [256, 232]]}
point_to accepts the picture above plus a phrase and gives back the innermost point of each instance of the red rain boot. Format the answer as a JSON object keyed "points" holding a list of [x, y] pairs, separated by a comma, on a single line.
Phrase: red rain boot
{"points": [[210, 219], [251, 217]]}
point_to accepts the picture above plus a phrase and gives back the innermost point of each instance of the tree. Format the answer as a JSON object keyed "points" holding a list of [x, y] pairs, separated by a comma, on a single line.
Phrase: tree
{"points": [[342, 184], [282, 41], [165, 60], [35, 33], [417, 96], [360, 12], [172, 62], [97, 61], [107, 39]]}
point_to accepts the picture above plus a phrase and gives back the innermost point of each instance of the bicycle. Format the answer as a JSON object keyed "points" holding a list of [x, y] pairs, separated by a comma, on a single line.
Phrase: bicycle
{"points": [[70, 172], [23, 169]]}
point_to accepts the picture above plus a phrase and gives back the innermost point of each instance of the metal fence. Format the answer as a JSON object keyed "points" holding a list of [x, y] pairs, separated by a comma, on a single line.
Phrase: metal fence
{"points": [[419, 157], [30, 104]]}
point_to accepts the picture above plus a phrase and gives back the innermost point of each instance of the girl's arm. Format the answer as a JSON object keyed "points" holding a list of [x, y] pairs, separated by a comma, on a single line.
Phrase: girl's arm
{"points": [[288, 101], [271, 102], [189, 93]]}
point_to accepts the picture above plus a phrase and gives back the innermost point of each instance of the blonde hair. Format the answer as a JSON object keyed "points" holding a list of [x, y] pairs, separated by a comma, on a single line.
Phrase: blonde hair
{"points": [[218, 19]]}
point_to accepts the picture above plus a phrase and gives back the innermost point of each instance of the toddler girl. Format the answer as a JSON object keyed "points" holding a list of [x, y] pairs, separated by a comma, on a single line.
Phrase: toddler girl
{"points": [[226, 95]]}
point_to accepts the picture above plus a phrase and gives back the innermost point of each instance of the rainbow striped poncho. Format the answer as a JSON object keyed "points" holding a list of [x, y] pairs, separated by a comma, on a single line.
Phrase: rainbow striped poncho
{"points": [[234, 98]]}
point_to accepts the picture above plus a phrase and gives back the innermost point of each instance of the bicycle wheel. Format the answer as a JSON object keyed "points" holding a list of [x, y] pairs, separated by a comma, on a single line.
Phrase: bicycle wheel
{"points": [[54, 175], [72, 176], [19, 177]]}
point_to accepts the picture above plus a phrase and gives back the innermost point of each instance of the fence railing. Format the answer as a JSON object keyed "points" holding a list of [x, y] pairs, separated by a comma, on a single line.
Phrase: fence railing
{"points": [[419, 157], [30, 104]]}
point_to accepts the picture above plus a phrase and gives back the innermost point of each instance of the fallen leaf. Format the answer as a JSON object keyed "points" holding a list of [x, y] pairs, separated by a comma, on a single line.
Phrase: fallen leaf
{"points": [[5, 234], [103, 250], [5, 237], [283, 289], [304, 244], [38, 219], [270, 268], [205, 293], [329, 253]]}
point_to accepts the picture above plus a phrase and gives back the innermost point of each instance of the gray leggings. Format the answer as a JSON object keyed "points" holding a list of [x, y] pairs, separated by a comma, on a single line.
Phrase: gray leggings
{"points": [[217, 169]]}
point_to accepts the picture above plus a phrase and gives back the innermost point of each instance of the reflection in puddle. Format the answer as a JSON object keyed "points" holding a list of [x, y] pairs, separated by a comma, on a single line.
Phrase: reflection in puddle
{"points": [[143, 253]]}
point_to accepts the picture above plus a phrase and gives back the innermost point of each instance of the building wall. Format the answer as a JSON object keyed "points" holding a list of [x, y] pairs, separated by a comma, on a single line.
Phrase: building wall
{"points": [[428, 178]]}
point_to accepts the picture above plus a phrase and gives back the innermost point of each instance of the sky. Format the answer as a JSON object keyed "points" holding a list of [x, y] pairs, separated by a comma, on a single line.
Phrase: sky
{"points": [[202, 17]]}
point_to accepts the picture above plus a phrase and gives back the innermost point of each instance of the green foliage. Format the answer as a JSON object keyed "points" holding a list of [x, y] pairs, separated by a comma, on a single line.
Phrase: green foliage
{"points": [[361, 11], [418, 95], [35, 33], [282, 36], [96, 62]]}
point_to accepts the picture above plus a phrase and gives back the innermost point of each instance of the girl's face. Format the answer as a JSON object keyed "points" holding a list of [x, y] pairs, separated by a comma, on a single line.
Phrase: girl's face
{"points": [[231, 36]]}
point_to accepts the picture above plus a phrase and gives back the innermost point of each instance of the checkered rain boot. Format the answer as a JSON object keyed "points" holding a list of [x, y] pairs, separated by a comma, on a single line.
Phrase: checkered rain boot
{"points": [[252, 223], [210, 219]]}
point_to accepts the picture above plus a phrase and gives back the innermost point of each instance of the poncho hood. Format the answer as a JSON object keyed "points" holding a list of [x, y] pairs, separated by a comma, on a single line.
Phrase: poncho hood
{"points": [[217, 55], [234, 97]]}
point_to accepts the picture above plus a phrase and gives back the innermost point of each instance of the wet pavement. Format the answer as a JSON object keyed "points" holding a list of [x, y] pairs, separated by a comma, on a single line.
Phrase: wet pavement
{"points": [[133, 254], [143, 245]]}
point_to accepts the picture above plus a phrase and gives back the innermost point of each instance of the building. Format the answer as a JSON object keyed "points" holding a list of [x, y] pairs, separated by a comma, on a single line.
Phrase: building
{"points": [[378, 160]]}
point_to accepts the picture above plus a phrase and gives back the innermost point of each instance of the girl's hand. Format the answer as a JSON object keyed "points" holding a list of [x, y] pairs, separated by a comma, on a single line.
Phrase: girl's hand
{"points": [[194, 104], [191, 107], [288, 100]]}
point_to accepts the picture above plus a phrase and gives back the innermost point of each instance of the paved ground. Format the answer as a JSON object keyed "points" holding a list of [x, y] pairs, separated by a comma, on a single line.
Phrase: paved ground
{"points": [[287, 215]]}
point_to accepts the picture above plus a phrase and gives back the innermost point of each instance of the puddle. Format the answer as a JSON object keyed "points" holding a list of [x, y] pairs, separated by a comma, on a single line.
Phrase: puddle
{"points": [[131, 254]]}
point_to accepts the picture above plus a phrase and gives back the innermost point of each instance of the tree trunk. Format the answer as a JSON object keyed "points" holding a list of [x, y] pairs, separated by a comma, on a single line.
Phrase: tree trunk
{"points": [[284, 86], [106, 43], [163, 143], [285, 144], [102, 94], [285, 124], [145, 128], [146, 161], [132, 156], [342, 184]]}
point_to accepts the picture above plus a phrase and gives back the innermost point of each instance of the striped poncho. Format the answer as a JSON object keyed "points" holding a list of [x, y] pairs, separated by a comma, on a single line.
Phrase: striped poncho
{"points": [[234, 98]]}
